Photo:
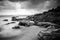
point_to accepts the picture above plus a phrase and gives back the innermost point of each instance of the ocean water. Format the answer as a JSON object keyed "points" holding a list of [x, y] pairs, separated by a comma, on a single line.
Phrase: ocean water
{"points": [[25, 33], [9, 17]]}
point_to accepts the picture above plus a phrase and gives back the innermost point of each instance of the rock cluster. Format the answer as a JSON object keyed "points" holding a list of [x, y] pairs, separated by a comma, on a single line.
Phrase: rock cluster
{"points": [[52, 16]]}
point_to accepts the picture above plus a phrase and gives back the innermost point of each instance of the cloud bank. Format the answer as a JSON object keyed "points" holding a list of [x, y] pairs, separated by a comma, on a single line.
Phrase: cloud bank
{"points": [[26, 7]]}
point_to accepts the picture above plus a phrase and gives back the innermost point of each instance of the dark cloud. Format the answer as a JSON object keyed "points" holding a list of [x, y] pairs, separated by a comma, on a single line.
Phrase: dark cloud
{"points": [[58, 2], [38, 4], [1, 0], [17, 0], [55, 3], [36, 1], [32, 1]]}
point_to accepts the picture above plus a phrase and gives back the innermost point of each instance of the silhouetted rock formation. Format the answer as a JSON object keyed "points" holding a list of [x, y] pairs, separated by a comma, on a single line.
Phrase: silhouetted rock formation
{"points": [[52, 16], [14, 19]]}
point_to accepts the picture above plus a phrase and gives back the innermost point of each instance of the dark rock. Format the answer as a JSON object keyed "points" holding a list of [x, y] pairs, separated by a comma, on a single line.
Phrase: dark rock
{"points": [[16, 27], [52, 16], [14, 19], [23, 24], [5, 20], [54, 35]]}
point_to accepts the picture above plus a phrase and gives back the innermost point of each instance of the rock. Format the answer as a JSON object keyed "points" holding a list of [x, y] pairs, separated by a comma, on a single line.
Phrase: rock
{"points": [[5, 20], [52, 16]]}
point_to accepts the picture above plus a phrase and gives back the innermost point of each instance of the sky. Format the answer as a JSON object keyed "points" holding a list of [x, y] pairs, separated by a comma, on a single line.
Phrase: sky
{"points": [[26, 7]]}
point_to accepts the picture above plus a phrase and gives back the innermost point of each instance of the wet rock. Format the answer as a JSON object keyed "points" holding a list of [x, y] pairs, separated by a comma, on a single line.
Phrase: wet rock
{"points": [[5, 20]]}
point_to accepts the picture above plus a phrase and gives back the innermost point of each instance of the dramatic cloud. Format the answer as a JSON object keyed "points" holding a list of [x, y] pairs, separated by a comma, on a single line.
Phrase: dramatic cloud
{"points": [[58, 2], [35, 3], [27, 7]]}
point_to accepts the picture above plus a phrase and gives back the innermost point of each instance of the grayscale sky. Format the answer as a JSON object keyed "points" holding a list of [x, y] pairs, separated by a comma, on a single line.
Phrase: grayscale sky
{"points": [[26, 7]]}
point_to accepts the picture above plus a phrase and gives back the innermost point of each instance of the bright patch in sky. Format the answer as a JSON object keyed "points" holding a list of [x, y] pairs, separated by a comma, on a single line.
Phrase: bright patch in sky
{"points": [[16, 9]]}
